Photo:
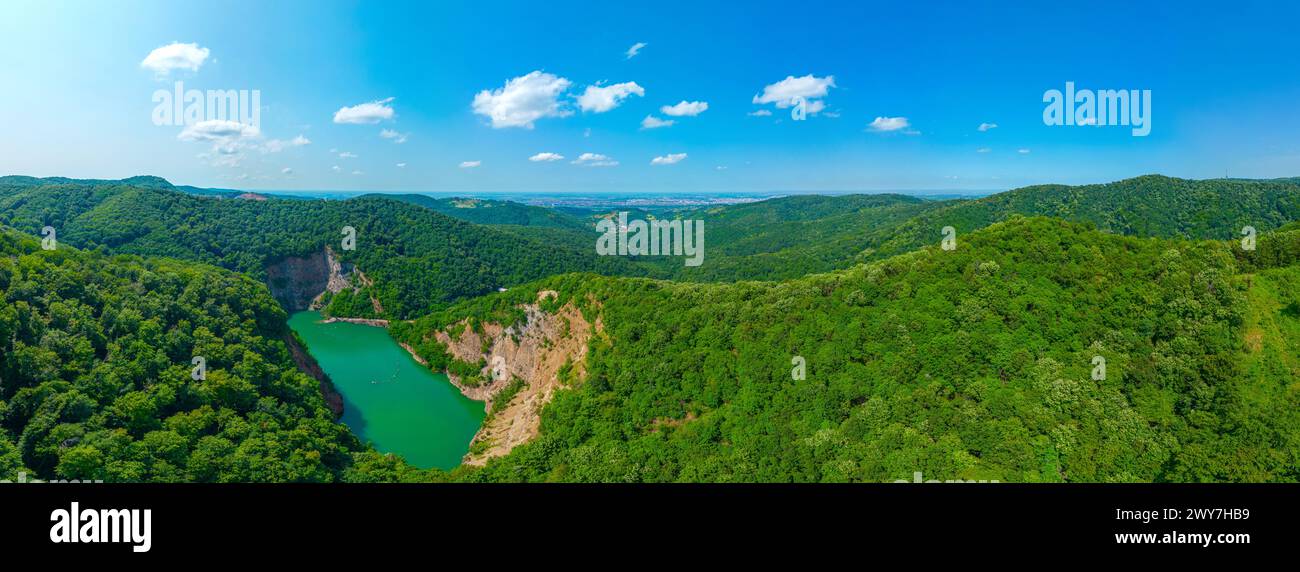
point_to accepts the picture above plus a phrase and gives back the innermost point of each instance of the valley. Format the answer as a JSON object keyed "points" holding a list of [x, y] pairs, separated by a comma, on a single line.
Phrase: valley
{"points": [[516, 353]]}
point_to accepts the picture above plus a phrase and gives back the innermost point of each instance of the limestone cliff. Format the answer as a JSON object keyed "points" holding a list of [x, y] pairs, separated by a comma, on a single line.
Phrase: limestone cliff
{"points": [[307, 364], [299, 282], [533, 351]]}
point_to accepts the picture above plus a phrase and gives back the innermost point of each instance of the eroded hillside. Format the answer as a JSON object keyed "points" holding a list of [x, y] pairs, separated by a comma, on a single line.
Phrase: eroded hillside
{"points": [[514, 367]]}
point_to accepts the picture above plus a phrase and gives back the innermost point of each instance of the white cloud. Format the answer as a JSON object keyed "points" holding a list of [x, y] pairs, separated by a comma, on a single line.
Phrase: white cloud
{"points": [[760, 113], [372, 112], [983, 150], [652, 122], [523, 100], [277, 145], [1023, 151], [357, 173], [599, 99], [175, 56], [401, 165], [218, 130], [286, 171], [335, 168], [685, 109], [398, 138], [785, 92], [546, 157], [595, 160], [668, 159], [887, 124], [347, 155], [470, 164], [635, 49], [987, 126]]}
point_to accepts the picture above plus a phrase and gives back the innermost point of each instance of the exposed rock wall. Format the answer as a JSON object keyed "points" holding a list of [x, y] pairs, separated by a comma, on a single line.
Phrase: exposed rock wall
{"points": [[308, 365], [298, 282], [534, 352]]}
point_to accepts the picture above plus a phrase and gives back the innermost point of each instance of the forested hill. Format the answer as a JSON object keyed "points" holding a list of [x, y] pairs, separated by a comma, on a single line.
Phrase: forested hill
{"points": [[976, 363], [96, 362], [1151, 205], [418, 258], [795, 236], [486, 211], [422, 260]]}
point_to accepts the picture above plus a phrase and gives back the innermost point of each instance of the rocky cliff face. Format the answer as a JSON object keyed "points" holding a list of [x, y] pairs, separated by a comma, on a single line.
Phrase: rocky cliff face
{"points": [[298, 283], [308, 365], [533, 352]]}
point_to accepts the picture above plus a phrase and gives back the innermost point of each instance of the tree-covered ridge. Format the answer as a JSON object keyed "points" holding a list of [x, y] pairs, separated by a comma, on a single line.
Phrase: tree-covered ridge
{"points": [[95, 376], [493, 212], [968, 364], [795, 236], [419, 259], [1150, 205]]}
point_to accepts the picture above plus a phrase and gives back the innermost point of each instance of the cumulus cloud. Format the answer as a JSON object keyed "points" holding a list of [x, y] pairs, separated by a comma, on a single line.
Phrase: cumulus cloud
{"points": [[357, 173], [365, 113], [347, 155], [335, 168], [652, 122], [760, 113], [277, 145], [398, 138], [685, 109], [1023, 151], [987, 126], [668, 159], [470, 164], [786, 92], [546, 157], [175, 56], [523, 100], [888, 124], [599, 99], [635, 49], [983, 150], [401, 165], [595, 160], [220, 130], [286, 171]]}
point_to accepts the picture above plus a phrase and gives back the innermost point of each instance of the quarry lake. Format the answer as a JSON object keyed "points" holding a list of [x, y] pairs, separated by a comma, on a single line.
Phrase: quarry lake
{"points": [[389, 399]]}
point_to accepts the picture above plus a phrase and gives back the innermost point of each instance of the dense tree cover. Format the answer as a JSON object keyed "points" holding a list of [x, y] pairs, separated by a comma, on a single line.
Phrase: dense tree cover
{"points": [[95, 377], [795, 236], [973, 364], [1150, 205], [419, 259], [485, 211]]}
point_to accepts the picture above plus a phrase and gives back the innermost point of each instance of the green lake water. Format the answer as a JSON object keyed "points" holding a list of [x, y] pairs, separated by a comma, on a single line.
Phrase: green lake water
{"points": [[388, 398]]}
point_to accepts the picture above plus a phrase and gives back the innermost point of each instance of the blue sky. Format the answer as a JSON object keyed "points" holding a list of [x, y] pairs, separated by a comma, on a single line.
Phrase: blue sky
{"points": [[78, 85]]}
